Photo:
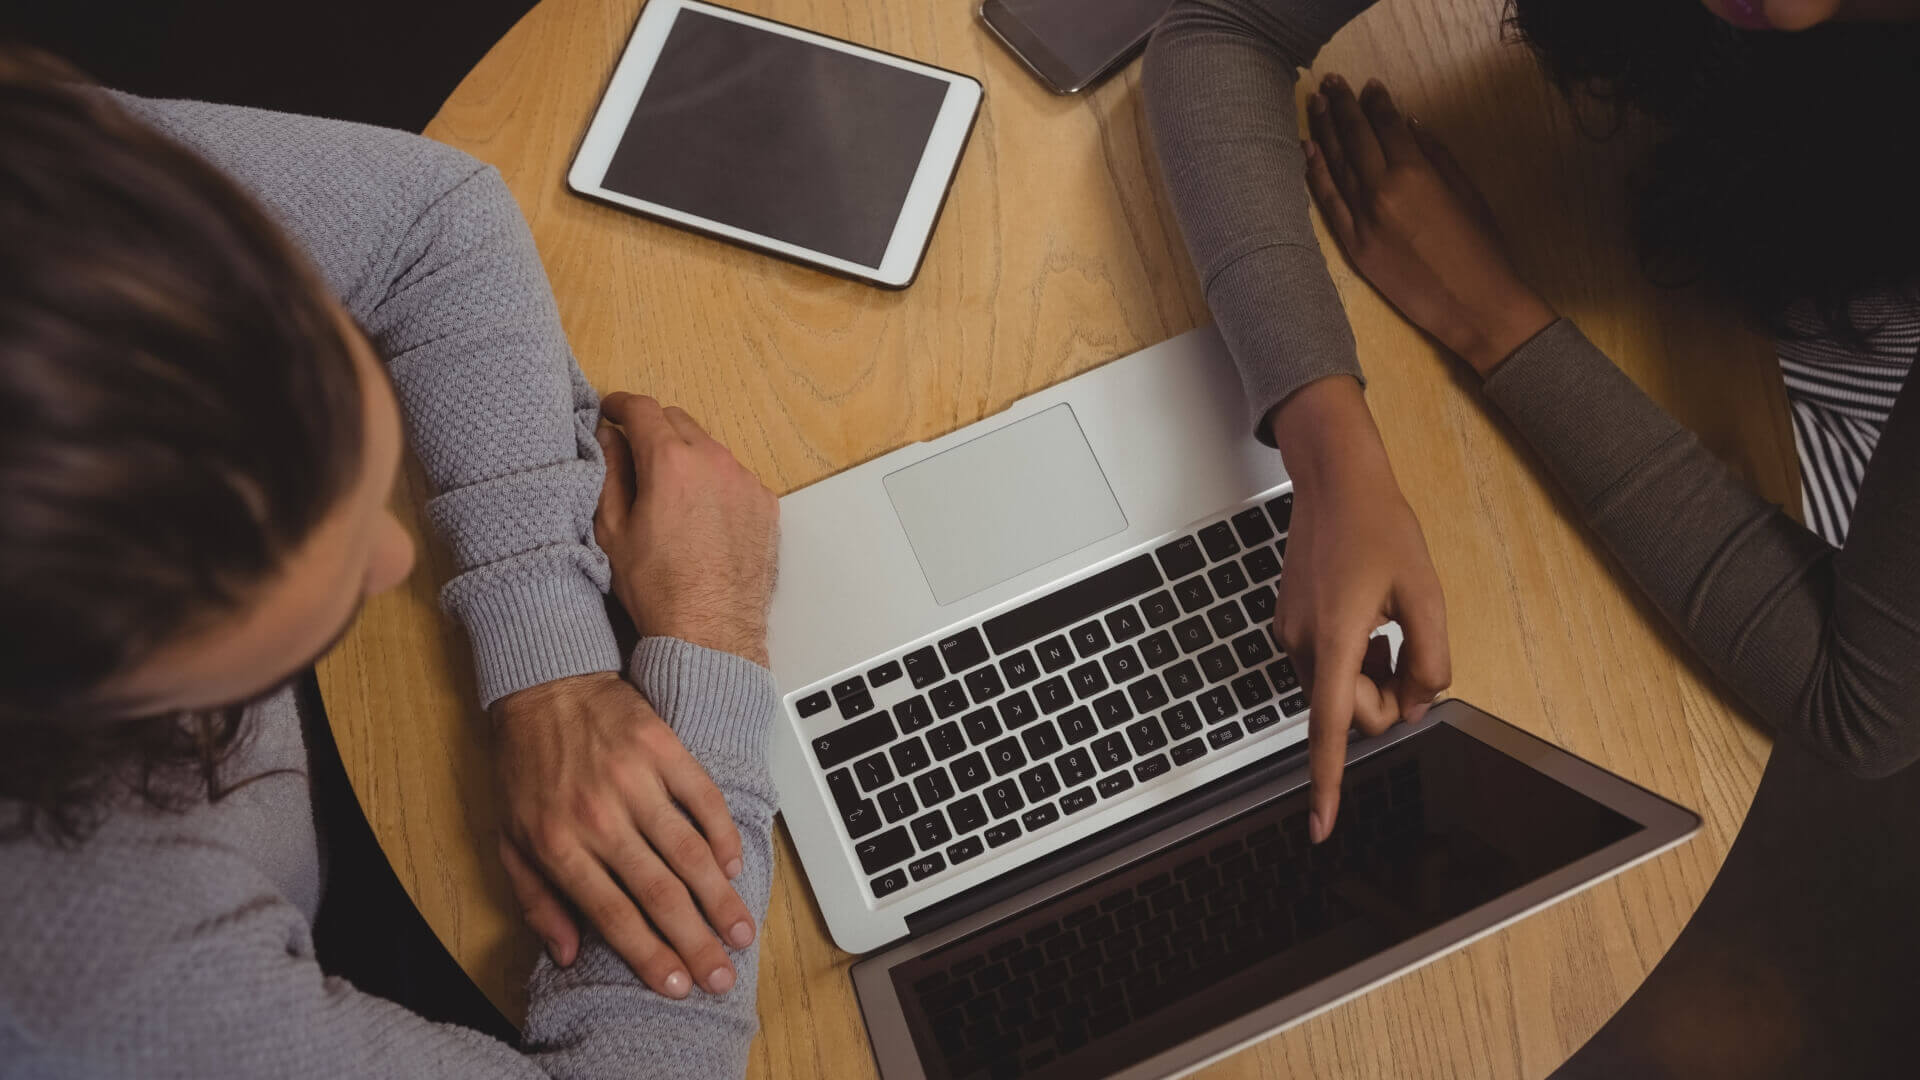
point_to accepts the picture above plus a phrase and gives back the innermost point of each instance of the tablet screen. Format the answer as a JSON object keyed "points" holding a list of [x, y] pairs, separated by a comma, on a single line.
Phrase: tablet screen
{"points": [[778, 136]]}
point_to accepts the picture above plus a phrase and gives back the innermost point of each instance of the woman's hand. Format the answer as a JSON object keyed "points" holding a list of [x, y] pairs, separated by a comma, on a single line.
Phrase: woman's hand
{"points": [[1414, 224], [1355, 558]]}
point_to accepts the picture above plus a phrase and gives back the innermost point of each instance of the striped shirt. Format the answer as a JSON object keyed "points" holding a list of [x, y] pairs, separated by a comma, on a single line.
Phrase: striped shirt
{"points": [[1840, 398]]}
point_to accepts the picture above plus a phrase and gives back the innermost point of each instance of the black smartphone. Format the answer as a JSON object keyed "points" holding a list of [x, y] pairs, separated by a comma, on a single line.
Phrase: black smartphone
{"points": [[1071, 44]]}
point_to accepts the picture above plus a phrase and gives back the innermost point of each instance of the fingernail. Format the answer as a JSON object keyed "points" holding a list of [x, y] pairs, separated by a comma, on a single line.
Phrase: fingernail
{"points": [[1307, 147], [741, 934], [678, 984], [1414, 121], [1376, 84], [720, 981], [1316, 831], [1317, 104], [733, 869], [1336, 82]]}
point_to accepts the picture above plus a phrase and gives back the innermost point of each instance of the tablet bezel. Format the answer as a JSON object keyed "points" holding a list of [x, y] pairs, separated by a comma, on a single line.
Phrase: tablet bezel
{"points": [[1664, 825], [912, 230]]}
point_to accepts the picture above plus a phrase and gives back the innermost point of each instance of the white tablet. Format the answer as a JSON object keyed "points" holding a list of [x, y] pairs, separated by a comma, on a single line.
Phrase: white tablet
{"points": [[779, 139]]}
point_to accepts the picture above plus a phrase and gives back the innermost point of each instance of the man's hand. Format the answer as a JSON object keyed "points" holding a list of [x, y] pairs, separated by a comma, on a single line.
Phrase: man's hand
{"points": [[691, 533], [598, 794], [1414, 224], [1355, 559]]}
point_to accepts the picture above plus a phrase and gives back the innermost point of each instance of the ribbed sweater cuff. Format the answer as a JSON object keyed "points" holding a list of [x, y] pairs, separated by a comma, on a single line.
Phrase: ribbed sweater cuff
{"points": [[1282, 321], [529, 632], [1583, 415], [713, 700]]}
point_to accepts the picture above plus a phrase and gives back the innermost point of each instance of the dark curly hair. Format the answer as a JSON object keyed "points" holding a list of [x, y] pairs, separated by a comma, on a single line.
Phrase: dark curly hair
{"points": [[1785, 167], [178, 409]]}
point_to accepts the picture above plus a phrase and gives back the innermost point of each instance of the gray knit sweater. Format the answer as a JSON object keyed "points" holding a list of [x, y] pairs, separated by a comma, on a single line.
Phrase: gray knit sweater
{"points": [[180, 945]]}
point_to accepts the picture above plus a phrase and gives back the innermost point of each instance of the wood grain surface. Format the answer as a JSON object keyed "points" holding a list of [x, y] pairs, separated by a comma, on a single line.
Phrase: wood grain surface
{"points": [[1056, 253]]}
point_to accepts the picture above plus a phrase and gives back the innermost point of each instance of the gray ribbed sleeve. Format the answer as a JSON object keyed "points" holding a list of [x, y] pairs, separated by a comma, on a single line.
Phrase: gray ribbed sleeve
{"points": [[1219, 82]]}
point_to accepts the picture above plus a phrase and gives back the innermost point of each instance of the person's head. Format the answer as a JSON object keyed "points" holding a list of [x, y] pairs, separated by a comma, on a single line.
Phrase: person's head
{"points": [[197, 447], [1784, 169]]}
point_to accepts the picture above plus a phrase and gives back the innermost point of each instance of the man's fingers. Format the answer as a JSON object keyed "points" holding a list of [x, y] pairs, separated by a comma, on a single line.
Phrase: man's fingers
{"points": [[1357, 140], [640, 416], [1336, 666], [1456, 177], [696, 793], [1333, 206], [616, 491], [663, 896], [540, 907], [611, 912], [685, 425], [1426, 661], [1397, 143], [691, 859]]}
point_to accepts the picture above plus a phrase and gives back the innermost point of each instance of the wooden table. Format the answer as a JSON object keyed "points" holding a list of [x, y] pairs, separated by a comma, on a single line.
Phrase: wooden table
{"points": [[1057, 253]]}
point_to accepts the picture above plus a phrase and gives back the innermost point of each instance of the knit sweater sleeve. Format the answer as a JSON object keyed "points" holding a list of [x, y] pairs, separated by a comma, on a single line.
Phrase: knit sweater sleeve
{"points": [[1219, 91], [428, 251]]}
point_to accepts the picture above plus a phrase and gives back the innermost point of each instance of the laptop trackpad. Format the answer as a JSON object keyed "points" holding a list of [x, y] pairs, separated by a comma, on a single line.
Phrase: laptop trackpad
{"points": [[997, 506]]}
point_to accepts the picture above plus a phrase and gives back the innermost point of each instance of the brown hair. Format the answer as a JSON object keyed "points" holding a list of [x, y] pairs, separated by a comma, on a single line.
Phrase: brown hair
{"points": [[178, 409]]}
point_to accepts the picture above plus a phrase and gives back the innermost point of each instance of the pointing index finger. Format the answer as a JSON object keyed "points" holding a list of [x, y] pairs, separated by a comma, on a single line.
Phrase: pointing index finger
{"points": [[1337, 664]]}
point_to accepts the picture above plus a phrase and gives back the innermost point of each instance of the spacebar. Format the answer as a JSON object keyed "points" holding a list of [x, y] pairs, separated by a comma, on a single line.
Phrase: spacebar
{"points": [[1078, 601]]}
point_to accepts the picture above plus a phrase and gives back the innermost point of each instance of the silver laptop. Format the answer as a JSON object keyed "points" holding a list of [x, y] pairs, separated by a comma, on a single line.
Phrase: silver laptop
{"points": [[1017, 651]]}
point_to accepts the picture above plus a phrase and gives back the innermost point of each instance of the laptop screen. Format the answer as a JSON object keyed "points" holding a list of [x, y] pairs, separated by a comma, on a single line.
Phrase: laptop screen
{"points": [[1244, 914]]}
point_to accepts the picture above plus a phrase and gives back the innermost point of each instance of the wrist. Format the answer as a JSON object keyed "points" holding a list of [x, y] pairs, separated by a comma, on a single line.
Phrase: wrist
{"points": [[540, 699], [1325, 432], [1499, 335]]}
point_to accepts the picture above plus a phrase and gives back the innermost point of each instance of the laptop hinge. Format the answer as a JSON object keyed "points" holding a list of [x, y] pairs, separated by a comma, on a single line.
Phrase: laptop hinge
{"points": [[1108, 840]]}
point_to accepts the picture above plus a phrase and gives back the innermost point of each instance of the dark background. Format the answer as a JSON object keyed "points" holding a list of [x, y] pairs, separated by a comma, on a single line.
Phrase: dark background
{"points": [[1803, 963]]}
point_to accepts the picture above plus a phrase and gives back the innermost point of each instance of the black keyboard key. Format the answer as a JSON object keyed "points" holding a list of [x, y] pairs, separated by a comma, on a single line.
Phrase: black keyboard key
{"points": [[967, 813], [1063, 608], [926, 866], [1183, 679], [1055, 653], [1086, 679], [1217, 663], [1182, 720], [1075, 767], [1227, 579], [1114, 783], [965, 849], [1262, 719], [910, 757], [1078, 799], [1003, 798], [1042, 740], [1148, 694], [1253, 649], [1112, 709], [1111, 751], [1123, 664], [1285, 680], [1003, 833], [848, 688], [1226, 734], [963, 650], [1180, 558], [1017, 710], [948, 698], [884, 674], [857, 703], [879, 852], [985, 685], [1040, 817], [1146, 736], [946, 740], [1124, 624], [1005, 756], [1158, 650], [1259, 604], [888, 883], [1281, 511], [853, 740], [858, 813], [1151, 767], [1160, 608], [1252, 526], [930, 830], [1078, 725], [1193, 594], [1053, 695], [1020, 669], [812, 703], [1088, 639], [1192, 634], [1251, 689], [1217, 705], [981, 725], [872, 771], [970, 771], [1187, 751], [912, 714], [1040, 783], [1262, 564], [934, 787], [897, 802], [1227, 620], [1218, 539], [923, 667]]}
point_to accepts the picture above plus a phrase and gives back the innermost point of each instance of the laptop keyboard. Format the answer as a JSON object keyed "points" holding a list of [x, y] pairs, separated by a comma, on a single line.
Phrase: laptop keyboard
{"points": [[1013, 725]]}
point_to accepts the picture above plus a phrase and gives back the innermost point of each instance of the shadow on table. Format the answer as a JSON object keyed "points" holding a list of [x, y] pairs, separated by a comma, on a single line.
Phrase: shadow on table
{"points": [[1803, 961]]}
